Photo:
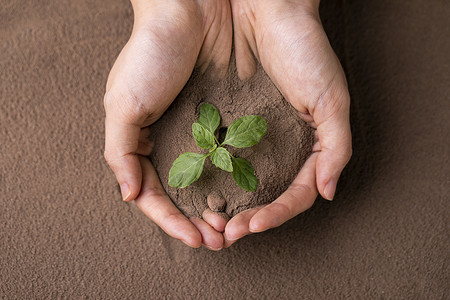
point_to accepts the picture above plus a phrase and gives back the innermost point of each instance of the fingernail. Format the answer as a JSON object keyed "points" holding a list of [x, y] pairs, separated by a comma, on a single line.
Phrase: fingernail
{"points": [[255, 227], [125, 190], [187, 244], [228, 239], [212, 248], [330, 189]]}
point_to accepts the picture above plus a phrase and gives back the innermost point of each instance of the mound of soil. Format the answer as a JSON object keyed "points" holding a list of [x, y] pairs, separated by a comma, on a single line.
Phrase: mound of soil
{"points": [[277, 158]]}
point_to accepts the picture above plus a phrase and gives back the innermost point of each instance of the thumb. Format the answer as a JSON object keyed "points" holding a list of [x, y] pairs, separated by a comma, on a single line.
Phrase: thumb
{"points": [[121, 145], [331, 115]]}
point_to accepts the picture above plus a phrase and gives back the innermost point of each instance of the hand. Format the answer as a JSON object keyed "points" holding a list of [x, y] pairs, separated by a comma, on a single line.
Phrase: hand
{"points": [[288, 39], [168, 39]]}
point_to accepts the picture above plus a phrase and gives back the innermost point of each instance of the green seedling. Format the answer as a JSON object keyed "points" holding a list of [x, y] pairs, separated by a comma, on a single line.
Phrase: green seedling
{"points": [[243, 132]]}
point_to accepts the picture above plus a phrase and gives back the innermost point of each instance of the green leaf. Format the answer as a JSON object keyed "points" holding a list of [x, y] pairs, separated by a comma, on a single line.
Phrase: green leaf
{"points": [[186, 169], [203, 137], [209, 117], [244, 174], [221, 158], [245, 131]]}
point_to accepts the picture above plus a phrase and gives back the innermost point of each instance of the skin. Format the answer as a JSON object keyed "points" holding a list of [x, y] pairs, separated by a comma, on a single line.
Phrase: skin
{"points": [[169, 38]]}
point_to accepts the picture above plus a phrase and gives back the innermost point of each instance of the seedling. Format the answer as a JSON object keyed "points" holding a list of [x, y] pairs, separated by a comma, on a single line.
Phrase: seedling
{"points": [[243, 132]]}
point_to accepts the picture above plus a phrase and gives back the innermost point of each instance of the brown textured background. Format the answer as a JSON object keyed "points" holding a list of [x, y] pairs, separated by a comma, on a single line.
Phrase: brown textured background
{"points": [[65, 233]]}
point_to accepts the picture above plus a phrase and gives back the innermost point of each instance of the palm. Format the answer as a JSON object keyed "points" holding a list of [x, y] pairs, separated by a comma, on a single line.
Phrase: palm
{"points": [[158, 59], [305, 64]]}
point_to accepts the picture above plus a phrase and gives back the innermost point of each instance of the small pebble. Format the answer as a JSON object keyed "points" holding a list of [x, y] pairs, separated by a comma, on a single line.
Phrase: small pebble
{"points": [[215, 202]]}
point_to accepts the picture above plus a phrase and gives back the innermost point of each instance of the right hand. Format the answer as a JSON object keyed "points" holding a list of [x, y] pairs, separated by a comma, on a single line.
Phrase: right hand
{"points": [[168, 39], [288, 39]]}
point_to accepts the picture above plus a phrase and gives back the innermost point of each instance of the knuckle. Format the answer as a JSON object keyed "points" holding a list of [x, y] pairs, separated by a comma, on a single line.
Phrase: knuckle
{"points": [[349, 153], [110, 158], [125, 105], [334, 100], [155, 191], [342, 158], [300, 189], [109, 101], [334, 105], [284, 210], [107, 157], [302, 193]]}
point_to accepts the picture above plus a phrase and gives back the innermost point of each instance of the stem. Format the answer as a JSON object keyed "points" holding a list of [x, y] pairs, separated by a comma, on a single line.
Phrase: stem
{"points": [[211, 152]]}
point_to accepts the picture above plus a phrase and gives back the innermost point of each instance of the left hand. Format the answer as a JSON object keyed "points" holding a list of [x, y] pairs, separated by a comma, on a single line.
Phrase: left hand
{"points": [[168, 39], [288, 39]]}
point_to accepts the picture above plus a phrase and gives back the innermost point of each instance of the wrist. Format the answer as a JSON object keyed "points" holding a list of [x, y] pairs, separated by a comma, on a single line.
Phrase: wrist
{"points": [[310, 5], [174, 11], [257, 7], [143, 9]]}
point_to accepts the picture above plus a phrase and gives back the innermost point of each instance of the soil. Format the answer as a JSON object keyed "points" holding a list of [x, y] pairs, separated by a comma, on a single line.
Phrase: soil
{"points": [[277, 158]]}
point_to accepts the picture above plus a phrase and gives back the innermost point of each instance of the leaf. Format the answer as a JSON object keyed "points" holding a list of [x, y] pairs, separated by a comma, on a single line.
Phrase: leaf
{"points": [[221, 158], [203, 137], [244, 174], [245, 131], [186, 169], [209, 117]]}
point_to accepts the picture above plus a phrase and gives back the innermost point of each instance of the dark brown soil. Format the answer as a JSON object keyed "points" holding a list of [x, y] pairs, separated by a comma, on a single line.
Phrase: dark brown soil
{"points": [[277, 158]]}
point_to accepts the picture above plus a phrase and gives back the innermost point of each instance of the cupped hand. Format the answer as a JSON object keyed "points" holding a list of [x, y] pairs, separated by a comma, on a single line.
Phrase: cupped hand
{"points": [[288, 39], [168, 39]]}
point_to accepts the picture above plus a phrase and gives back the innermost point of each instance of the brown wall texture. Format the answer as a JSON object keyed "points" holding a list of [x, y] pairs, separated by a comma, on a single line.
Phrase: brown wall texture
{"points": [[65, 233]]}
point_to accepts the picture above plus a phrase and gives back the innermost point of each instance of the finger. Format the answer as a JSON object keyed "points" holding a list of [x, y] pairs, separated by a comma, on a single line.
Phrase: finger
{"points": [[238, 226], [212, 239], [121, 145], [244, 42], [154, 203], [296, 199], [333, 129], [308, 119], [218, 221]]}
